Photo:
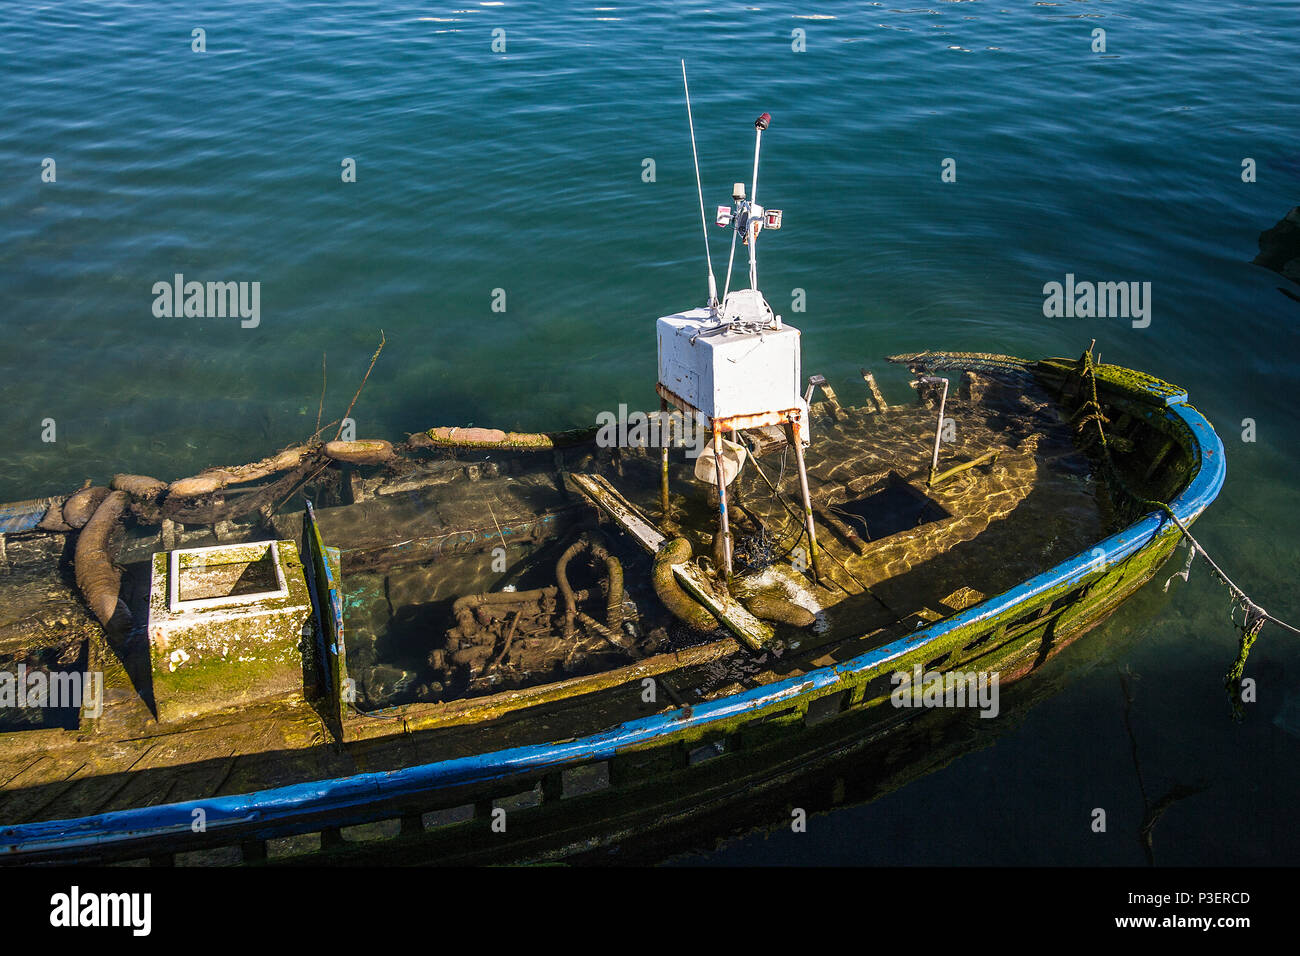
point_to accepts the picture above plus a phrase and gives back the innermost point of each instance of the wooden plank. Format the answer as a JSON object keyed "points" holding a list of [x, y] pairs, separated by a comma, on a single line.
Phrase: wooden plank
{"points": [[87, 790], [625, 514], [879, 399], [412, 717], [751, 631], [40, 783]]}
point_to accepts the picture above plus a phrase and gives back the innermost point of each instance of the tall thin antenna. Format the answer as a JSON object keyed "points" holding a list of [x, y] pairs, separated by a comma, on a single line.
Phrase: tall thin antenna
{"points": [[760, 124], [699, 189]]}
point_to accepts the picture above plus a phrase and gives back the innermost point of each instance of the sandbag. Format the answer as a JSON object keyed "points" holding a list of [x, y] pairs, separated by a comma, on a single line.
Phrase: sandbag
{"points": [[457, 437], [53, 519], [139, 486], [371, 452], [97, 577], [199, 485], [684, 607], [79, 509], [769, 607], [212, 480]]}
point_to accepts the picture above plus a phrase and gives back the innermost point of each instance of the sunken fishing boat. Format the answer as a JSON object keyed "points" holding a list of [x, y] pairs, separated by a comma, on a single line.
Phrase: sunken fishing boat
{"points": [[478, 644]]}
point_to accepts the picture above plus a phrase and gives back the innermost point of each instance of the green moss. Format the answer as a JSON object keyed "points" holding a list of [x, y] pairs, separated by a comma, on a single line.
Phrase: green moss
{"points": [[519, 441], [1115, 380]]}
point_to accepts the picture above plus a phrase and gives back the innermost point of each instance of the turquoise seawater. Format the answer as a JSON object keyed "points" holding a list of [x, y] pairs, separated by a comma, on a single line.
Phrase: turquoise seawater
{"points": [[524, 169]]}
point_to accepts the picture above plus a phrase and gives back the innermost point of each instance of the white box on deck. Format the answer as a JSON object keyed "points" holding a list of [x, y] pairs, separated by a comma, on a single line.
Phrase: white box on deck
{"points": [[724, 374]]}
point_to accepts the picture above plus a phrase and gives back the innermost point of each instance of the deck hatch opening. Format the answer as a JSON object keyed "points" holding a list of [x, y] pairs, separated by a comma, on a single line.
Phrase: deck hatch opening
{"points": [[225, 575], [890, 506], [786, 713], [299, 844], [937, 662]]}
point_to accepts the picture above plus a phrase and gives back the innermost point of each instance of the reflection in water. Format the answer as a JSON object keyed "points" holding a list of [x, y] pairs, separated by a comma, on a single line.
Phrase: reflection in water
{"points": [[1151, 812]]}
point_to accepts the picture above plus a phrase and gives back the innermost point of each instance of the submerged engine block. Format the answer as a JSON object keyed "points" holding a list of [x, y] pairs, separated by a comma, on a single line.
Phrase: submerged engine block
{"points": [[506, 638]]}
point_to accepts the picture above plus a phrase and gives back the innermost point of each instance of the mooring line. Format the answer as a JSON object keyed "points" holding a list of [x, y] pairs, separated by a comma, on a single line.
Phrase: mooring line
{"points": [[1253, 616]]}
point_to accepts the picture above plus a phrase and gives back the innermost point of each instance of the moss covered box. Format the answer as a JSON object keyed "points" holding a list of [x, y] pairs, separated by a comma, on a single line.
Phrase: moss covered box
{"points": [[226, 626]]}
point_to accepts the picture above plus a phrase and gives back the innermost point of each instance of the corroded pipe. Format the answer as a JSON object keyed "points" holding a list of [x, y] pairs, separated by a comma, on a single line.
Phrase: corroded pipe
{"points": [[608, 634], [614, 571], [566, 590], [464, 607]]}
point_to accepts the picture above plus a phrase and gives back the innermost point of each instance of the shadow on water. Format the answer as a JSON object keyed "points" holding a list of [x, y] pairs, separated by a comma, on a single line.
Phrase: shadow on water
{"points": [[1279, 250]]}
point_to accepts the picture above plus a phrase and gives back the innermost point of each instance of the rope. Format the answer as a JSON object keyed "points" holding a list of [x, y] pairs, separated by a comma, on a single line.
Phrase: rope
{"points": [[1253, 616]]}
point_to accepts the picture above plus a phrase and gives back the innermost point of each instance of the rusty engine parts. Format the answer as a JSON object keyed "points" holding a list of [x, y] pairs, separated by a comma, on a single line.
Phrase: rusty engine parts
{"points": [[507, 637]]}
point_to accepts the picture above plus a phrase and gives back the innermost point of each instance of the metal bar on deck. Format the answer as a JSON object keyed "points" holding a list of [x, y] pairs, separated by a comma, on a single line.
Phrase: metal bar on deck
{"points": [[938, 432]]}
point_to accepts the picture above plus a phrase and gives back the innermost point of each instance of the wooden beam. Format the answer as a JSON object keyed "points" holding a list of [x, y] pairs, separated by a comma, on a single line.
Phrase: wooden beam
{"points": [[751, 631], [875, 390], [409, 718], [625, 514]]}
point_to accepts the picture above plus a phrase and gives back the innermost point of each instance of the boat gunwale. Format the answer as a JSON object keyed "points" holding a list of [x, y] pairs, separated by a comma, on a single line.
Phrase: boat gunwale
{"points": [[278, 810]]}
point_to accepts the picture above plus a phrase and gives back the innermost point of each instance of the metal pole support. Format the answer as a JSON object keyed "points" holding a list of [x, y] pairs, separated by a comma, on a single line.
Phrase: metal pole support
{"points": [[724, 525], [664, 437], [938, 433], [796, 439]]}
